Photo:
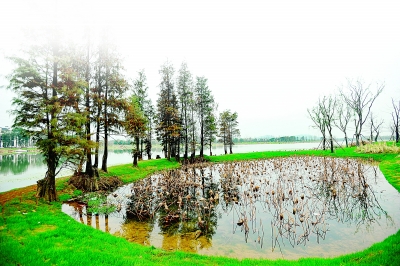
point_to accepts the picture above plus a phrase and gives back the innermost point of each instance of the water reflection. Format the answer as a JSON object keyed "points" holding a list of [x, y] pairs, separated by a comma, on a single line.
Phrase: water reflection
{"points": [[293, 207], [18, 162]]}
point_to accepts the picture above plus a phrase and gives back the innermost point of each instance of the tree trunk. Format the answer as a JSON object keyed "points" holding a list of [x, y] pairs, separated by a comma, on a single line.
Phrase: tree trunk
{"points": [[46, 187], [90, 183], [105, 154], [136, 152], [96, 151], [201, 138], [186, 138], [357, 139], [135, 158]]}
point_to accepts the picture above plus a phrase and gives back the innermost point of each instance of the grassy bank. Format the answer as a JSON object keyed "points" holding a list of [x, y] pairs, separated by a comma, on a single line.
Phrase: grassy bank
{"points": [[40, 234], [11, 150]]}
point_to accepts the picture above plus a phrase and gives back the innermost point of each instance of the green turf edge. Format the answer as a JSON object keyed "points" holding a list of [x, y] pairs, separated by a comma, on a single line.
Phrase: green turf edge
{"points": [[30, 236]]}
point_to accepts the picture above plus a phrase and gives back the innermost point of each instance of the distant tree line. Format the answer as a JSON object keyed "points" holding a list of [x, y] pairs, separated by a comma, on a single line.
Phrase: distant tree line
{"points": [[72, 97], [277, 139], [14, 138]]}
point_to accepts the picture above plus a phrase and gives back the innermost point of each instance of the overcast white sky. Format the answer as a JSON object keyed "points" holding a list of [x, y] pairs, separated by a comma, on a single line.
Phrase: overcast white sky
{"points": [[267, 60]]}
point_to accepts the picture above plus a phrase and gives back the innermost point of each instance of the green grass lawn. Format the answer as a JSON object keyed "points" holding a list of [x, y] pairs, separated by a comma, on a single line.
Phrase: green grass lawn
{"points": [[41, 234]]}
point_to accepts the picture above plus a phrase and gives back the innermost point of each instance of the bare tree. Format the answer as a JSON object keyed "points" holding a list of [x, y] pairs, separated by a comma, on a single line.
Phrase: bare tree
{"points": [[343, 116], [317, 116], [374, 128], [328, 108], [360, 99], [396, 117]]}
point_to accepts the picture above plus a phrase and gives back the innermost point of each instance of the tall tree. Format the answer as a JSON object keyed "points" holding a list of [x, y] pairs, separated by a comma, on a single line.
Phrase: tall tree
{"points": [[48, 91], [168, 122], [135, 123], [328, 107], [82, 61], [396, 120], [360, 99], [185, 95], [140, 90], [205, 105], [112, 92]]}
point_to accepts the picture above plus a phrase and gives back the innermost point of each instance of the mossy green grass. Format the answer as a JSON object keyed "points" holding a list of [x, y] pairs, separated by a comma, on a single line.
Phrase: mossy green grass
{"points": [[41, 234]]}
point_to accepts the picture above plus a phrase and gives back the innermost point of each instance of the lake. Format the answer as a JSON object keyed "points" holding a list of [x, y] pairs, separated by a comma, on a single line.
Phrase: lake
{"points": [[21, 169]]}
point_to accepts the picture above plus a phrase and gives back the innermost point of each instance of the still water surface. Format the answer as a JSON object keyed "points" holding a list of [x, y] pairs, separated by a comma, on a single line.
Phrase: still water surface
{"points": [[20, 169], [278, 208]]}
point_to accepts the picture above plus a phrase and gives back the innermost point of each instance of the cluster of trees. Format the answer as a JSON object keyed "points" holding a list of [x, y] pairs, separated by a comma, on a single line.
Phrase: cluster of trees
{"points": [[186, 115], [69, 98], [72, 98], [352, 105]]}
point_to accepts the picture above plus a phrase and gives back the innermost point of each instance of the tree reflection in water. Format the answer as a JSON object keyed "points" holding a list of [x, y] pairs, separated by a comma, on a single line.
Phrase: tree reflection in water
{"points": [[272, 204], [18, 163]]}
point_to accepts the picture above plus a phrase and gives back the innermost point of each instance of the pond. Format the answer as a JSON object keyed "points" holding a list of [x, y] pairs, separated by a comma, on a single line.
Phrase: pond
{"points": [[23, 169], [276, 208]]}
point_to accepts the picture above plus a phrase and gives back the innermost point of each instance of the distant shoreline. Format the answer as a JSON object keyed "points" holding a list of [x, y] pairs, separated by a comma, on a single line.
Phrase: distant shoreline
{"points": [[14, 150]]}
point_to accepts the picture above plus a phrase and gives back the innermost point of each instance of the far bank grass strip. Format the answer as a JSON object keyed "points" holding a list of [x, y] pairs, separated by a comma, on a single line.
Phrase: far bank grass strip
{"points": [[129, 173], [41, 234]]}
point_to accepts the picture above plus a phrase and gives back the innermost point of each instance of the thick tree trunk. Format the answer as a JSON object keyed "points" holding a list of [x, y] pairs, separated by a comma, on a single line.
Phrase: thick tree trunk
{"points": [[46, 187], [90, 183]]}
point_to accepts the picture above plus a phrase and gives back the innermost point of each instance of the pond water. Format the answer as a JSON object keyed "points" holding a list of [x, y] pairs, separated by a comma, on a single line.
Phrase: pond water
{"points": [[22, 169], [277, 208]]}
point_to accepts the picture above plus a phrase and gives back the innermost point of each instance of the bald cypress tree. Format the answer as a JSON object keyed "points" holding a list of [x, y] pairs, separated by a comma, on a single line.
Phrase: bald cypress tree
{"points": [[167, 117], [49, 90]]}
